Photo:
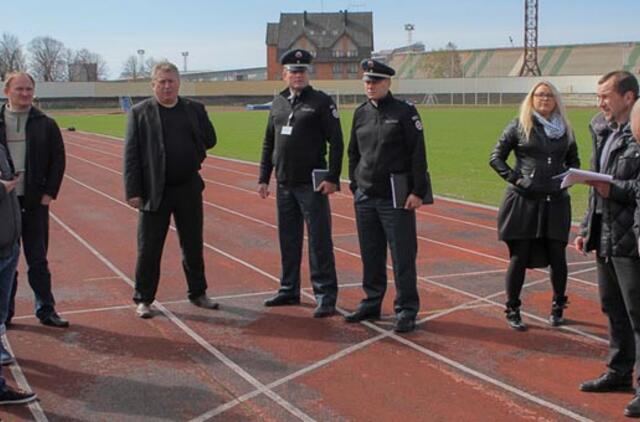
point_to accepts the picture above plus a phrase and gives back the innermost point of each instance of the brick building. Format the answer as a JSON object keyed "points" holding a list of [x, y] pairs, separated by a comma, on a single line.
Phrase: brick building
{"points": [[339, 41]]}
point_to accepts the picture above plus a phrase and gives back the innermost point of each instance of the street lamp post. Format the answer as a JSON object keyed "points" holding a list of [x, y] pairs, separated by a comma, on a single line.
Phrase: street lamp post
{"points": [[185, 54]]}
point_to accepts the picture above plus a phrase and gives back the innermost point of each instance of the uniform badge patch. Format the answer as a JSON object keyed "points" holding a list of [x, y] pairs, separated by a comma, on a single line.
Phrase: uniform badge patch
{"points": [[334, 113], [418, 125]]}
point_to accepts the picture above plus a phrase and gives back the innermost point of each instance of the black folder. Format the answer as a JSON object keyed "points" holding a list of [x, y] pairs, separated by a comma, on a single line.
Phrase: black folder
{"points": [[400, 189], [318, 176]]}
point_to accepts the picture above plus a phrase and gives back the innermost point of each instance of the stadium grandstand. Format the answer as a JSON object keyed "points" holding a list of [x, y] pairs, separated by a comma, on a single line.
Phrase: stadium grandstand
{"points": [[558, 60]]}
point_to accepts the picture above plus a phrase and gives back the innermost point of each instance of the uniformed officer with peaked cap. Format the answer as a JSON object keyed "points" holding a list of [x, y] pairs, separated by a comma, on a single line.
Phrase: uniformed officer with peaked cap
{"points": [[387, 138], [301, 124]]}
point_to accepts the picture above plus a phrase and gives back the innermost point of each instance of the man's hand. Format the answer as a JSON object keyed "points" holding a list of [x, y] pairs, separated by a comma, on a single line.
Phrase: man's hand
{"points": [[579, 244], [9, 185], [413, 202], [603, 188], [135, 202], [263, 190], [46, 200], [327, 188]]}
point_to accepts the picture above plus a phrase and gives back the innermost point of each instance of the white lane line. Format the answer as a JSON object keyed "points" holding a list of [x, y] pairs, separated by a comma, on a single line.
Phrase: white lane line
{"points": [[166, 302], [355, 255], [430, 353], [21, 381], [425, 279], [187, 330]]}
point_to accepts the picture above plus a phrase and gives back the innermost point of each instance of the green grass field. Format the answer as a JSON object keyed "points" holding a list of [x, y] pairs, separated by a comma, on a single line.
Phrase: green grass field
{"points": [[459, 141]]}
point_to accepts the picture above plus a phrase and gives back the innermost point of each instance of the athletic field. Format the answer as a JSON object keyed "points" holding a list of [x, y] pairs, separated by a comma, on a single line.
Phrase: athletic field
{"points": [[459, 141]]}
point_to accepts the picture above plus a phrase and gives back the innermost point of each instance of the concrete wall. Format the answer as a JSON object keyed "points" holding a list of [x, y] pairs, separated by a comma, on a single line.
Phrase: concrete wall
{"points": [[445, 91]]}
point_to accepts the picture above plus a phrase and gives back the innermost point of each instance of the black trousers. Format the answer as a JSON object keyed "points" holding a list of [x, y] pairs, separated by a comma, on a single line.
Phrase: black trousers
{"points": [[298, 205], [380, 224], [185, 204], [619, 286], [35, 244], [520, 251]]}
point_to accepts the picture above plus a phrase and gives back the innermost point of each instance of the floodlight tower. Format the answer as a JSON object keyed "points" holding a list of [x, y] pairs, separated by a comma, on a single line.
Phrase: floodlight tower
{"points": [[185, 54], [530, 63], [409, 27], [141, 54]]}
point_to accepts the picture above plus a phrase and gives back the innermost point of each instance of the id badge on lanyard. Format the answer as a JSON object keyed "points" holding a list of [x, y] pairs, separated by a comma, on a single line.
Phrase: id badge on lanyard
{"points": [[288, 128]]}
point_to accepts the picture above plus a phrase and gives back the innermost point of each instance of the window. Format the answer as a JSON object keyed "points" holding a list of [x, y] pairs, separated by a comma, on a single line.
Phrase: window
{"points": [[337, 68]]}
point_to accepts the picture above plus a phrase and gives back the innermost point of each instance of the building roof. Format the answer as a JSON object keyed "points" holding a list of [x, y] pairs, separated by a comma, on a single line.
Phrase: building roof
{"points": [[322, 29]]}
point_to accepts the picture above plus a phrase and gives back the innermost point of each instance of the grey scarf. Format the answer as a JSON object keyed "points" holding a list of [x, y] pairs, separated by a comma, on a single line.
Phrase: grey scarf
{"points": [[554, 127]]}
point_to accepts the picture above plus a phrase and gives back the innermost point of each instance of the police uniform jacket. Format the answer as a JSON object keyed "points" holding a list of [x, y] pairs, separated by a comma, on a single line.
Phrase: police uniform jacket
{"points": [[534, 205], [387, 139], [616, 237], [144, 154], [45, 160], [314, 120]]}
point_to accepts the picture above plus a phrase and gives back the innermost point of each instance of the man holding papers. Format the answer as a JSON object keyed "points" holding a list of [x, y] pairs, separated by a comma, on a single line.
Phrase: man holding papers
{"points": [[301, 123], [608, 230], [387, 139]]}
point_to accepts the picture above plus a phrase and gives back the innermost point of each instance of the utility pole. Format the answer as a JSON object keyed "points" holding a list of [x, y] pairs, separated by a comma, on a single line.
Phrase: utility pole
{"points": [[530, 62]]}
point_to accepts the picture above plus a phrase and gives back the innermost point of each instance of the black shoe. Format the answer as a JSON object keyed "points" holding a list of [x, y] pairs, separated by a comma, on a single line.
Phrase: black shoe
{"points": [[5, 357], [12, 396], [404, 324], [607, 382], [362, 314], [633, 408], [54, 320], [203, 301], [323, 311], [514, 319], [557, 308], [282, 300]]}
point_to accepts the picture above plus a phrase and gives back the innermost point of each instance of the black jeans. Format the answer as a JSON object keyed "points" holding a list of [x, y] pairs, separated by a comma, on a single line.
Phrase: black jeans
{"points": [[298, 205], [184, 202], [619, 286], [520, 251], [378, 224], [35, 244]]}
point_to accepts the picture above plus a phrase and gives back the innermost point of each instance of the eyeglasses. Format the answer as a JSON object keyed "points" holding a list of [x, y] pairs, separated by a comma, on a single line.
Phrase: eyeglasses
{"points": [[545, 95]]}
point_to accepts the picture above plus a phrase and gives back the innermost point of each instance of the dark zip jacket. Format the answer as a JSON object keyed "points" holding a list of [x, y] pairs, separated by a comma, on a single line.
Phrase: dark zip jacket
{"points": [[9, 208], [387, 139], [616, 236], [45, 160], [314, 120]]}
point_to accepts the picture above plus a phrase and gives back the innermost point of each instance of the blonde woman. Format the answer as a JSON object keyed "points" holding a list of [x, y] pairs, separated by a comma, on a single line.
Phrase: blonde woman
{"points": [[535, 215]]}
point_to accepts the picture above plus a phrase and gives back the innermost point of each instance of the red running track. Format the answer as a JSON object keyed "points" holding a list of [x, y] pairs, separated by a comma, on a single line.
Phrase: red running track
{"points": [[247, 362]]}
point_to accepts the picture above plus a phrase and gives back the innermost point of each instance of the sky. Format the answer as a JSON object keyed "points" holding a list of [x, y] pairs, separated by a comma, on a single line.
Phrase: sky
{"points": [[230, 34]]}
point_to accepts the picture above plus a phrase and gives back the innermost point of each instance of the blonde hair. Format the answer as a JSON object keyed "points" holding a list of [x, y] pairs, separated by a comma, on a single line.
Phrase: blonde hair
{"points": [[11, 76], [164, 66], [526, 109]]}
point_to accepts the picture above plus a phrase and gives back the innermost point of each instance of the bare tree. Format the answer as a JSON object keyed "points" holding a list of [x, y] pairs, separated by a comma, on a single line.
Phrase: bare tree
{"points": [[11, 55], [47, 59], [130, 68]]}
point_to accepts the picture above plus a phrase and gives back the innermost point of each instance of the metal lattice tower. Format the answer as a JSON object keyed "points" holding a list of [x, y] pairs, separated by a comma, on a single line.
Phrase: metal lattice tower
{"points": [[530, 63]]}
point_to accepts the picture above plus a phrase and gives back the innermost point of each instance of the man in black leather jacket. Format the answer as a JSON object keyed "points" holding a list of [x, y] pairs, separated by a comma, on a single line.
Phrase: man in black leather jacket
{"points": [[608, 230]]}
